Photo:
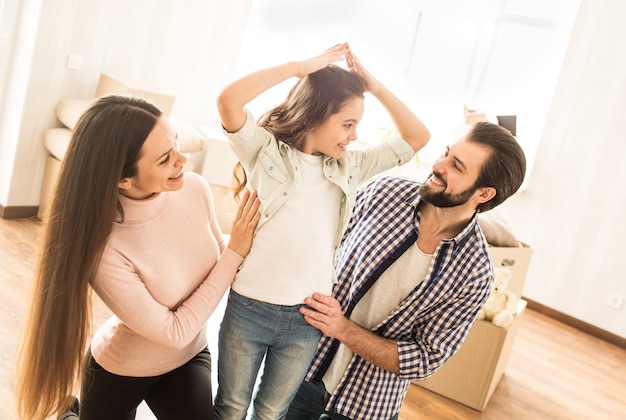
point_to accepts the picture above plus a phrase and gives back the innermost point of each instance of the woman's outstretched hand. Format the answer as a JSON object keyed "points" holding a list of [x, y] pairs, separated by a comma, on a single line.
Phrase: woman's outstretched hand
{"points": [[248, 216]]}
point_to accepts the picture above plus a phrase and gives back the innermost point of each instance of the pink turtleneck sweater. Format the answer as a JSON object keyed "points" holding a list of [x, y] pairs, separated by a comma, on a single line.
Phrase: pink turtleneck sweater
{"points": [[163, 272]]}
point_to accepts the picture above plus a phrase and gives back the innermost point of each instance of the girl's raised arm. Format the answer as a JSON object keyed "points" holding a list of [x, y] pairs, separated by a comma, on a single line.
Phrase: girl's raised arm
{"points": [[410, 128], [231, 101]]}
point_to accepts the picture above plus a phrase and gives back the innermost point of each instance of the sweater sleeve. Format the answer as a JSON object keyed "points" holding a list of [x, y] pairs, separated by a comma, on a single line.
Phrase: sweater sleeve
{"points": [[222, 239], [128, 298]]}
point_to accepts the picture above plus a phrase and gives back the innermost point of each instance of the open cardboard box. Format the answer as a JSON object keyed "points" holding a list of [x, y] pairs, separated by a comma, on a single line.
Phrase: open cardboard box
{"points": [[470, 376], [516, 259]]}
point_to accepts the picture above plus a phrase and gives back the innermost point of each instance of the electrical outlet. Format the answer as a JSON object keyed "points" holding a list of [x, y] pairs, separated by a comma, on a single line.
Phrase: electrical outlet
{"points": [[74, 62], [615, 301]]}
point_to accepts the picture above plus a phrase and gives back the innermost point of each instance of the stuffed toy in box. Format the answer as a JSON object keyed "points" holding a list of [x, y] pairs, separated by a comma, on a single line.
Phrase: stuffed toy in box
{"points": [[501, 305]]}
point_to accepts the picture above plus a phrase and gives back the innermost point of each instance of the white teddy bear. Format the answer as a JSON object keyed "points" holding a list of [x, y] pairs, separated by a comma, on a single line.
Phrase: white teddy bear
{"points": [[501, 304]]}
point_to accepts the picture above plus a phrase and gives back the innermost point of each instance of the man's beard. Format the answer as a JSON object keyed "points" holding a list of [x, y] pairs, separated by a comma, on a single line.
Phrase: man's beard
{"points": [[442, 198]]}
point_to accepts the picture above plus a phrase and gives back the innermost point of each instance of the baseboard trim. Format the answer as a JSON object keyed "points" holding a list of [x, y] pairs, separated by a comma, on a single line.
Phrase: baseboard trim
{"points": [[18, 212], [592, 330]]}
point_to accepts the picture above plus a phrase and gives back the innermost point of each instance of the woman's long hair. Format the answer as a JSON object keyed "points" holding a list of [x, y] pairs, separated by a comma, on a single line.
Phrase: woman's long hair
{"points": [[104, 149], [310, 102]]}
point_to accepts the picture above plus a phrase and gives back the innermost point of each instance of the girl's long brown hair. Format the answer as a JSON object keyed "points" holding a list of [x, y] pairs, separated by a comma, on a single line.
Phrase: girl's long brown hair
{"points": [[104, 149], [310, 102]]}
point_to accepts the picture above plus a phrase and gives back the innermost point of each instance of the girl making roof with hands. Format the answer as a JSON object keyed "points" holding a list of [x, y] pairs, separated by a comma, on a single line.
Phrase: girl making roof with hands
{"points": [[297, 159]]}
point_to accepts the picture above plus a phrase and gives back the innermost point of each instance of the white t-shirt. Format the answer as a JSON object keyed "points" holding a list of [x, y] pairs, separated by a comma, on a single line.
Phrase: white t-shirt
{"points": [[409, 270], [300, 237]]}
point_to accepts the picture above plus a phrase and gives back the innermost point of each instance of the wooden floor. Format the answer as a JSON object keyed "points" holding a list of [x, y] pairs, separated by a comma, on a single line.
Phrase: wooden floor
{"points": [[554, 372]]}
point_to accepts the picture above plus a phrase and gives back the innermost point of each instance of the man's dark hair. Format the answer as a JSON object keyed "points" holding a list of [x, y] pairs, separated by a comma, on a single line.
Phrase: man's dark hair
{"points": [[506, 166]]}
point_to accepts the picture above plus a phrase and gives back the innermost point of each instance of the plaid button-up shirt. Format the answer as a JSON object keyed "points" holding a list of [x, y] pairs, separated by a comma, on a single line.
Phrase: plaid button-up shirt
{"points": [[429, 325]]}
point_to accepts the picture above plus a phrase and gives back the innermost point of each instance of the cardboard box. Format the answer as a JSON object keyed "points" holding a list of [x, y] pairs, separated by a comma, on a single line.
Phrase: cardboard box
{"points": [[472, 374], [110, 85], [515, 259]]}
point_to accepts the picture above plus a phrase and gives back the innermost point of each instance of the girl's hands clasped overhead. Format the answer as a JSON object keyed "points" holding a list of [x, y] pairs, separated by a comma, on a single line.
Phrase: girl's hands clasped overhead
{"points": [[331, 55], [354, 65], [337, 53], [245, 222]]}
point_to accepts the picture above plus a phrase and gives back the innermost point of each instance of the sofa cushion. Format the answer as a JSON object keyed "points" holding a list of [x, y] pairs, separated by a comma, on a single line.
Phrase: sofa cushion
{"points": [[189, 138], [496, 229], [56, 141], [68, 111]]}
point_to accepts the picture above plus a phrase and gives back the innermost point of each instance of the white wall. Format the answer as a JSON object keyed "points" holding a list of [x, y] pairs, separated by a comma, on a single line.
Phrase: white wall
{"points": [[17, 37], [573, 212], [188, 49]]}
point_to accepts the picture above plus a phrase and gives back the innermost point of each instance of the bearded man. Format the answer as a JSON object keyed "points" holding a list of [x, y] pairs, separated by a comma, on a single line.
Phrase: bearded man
{"points": [[413, 270]]}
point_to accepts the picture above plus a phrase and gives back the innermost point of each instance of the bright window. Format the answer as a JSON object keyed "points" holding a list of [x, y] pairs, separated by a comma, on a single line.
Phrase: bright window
{"points": [[500, 57]]}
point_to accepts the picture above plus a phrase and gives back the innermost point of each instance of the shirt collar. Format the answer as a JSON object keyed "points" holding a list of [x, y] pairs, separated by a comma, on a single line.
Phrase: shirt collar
{"points": [[283, 148]]}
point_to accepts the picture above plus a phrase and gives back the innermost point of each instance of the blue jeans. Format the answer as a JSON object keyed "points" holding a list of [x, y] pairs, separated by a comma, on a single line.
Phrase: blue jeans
{"points": [[255, 333], [310, 404]]}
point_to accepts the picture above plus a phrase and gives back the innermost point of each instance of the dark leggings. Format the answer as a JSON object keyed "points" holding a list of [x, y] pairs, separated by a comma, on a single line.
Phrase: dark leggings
{"points": [[184, 393]]}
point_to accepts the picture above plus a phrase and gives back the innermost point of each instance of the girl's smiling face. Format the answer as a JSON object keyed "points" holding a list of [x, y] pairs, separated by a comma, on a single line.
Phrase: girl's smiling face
{"points": [[333, 136], [160, 165]]}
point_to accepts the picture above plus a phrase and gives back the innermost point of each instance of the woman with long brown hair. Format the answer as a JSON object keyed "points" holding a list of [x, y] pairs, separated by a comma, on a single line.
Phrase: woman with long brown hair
{"points": [[127, 222]]}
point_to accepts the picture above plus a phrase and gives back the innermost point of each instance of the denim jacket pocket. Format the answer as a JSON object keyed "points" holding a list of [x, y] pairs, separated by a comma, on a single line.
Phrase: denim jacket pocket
{"points": [[270, 178]]}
